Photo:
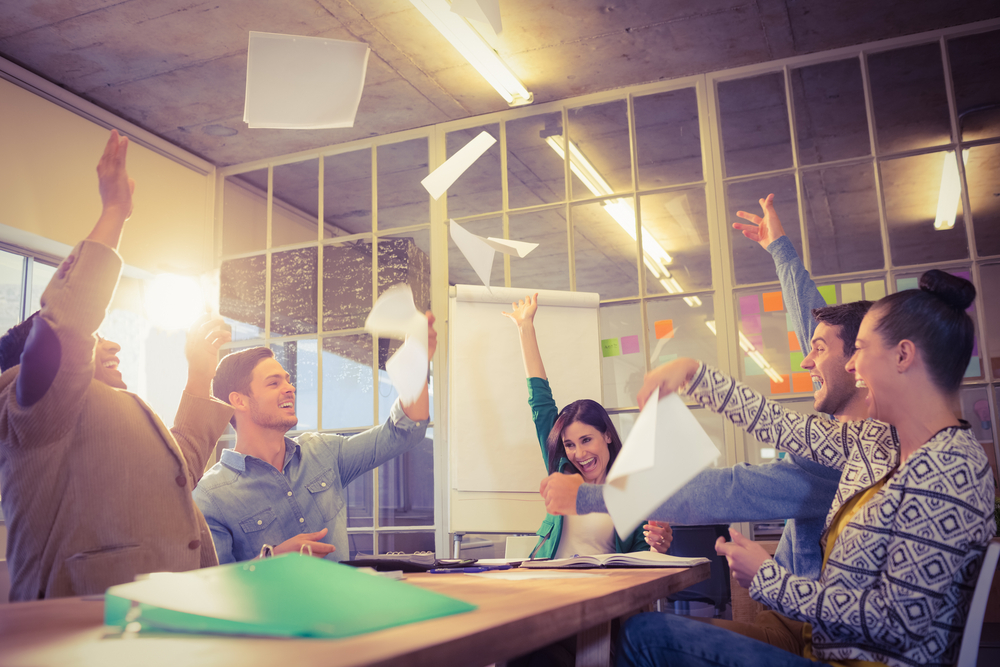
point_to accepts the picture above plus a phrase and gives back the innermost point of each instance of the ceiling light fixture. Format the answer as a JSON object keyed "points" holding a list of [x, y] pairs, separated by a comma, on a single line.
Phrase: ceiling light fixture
{"points": [[655, 257], [950, 192], [471, 44], [753, 353]]}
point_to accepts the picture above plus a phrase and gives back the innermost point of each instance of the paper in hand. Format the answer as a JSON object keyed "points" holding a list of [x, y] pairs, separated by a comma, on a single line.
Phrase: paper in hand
{"points": [[439, 180], [666, 448], [480, 251], [394, 315], [307, 83]]}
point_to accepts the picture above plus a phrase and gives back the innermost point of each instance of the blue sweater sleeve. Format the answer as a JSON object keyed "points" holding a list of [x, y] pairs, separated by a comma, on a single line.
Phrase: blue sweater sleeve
{"points": [[797, 289]]}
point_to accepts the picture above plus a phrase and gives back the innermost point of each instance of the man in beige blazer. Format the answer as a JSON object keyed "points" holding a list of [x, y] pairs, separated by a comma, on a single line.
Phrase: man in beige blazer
{"points": [[95, 489]]}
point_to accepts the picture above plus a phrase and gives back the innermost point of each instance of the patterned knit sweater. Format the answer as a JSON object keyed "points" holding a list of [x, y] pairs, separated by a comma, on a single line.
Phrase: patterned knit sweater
{"points": [[899, 580]]}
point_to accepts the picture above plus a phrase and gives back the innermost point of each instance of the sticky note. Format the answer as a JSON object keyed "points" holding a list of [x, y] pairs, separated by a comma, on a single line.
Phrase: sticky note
{"points": [[907, 283], [796, 360], [749, 305], [793, 342], [782, 387], [790, 321], [772, 302], [974, 370], [629, 344], [610, 347], [802, 383], [750, 324], [666, 358], [874, 290], [756, 341], [751, 367], [850, 292], [663, 328], [829, 293], [962, 274]]}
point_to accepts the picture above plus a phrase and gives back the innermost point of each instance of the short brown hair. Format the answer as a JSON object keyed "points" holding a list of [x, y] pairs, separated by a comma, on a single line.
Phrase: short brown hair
{"points": [[235, 372], [848, 317]]}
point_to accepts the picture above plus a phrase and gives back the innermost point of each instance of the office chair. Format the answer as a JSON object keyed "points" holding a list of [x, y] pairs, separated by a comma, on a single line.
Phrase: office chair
{"points": [[969, 651], [694, 541]]}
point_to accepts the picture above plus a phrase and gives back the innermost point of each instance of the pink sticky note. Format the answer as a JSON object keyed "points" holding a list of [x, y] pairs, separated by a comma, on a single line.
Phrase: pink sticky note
{"points": [[630, 344], [750, 324], [749, 305]]}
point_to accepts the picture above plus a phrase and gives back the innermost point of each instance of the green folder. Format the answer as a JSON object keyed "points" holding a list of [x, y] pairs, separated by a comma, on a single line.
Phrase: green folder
{"points": [[286, 596]]}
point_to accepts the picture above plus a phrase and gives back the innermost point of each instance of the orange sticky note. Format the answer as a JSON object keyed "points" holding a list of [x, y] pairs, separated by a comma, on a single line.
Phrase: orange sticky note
{"points": [[772, 302], [780, 387], [793, 342], [802, 382], [664, 328]]}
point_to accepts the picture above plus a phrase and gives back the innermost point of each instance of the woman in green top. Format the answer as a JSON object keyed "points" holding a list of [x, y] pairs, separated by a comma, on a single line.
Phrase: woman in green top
{"points": [[578, 440]]}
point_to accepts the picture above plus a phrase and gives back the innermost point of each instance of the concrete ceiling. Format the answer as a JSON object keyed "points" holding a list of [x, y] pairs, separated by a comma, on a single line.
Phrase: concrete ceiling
{"points": [[177, 67]]}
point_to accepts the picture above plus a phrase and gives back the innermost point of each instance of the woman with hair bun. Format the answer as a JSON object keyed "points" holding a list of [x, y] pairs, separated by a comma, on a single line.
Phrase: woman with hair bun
{"points": [[909, 526]]}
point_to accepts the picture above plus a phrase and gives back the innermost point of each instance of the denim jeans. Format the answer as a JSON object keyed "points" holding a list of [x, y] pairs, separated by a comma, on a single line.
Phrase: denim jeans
{"points": [[664, 639]]}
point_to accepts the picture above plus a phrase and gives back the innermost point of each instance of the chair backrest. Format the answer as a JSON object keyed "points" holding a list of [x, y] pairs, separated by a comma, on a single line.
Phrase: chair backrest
{"points": [[969, 651], [520, 546]]}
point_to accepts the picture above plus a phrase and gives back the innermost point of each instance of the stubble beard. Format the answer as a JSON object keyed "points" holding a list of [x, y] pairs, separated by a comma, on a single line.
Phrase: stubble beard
{"points": [[271, 422]]}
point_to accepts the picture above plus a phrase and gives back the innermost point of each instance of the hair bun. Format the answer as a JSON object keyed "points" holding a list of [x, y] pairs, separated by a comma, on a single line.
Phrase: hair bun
{"points": [[957, 292]]}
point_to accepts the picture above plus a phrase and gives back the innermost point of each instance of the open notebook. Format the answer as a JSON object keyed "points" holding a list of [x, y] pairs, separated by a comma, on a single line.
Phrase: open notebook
{"points": [[633, 559]]}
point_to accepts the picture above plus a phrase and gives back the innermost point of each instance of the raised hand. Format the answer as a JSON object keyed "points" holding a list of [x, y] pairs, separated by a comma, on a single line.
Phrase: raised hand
{"points": [[744, 555], [523, 312], [559, 492], [116, 190], [669, 377], [764, 230], [658, 535], [201, 348], [432, 337], [295, 544]]}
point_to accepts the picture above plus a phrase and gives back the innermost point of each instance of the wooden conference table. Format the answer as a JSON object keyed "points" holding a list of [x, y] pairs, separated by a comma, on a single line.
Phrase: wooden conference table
{"points": [[513, 617]]}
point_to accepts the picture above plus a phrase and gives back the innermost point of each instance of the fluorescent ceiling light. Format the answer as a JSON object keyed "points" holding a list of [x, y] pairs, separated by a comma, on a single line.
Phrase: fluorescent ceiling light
{"points": [[471, 44], [654, 256], [753, 353], [951, 191]]}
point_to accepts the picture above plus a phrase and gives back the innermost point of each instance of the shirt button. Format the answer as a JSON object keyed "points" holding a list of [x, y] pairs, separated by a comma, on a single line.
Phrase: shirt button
{"points": [[181, 481], [302, 520], [289, 493], [322, 484], [260, 522], [194, 544]]}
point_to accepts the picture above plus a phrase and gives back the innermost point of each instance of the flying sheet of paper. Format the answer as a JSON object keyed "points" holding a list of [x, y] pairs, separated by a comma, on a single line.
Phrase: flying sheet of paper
{"points": [[480, 252], [394, 315], [666, 448], [438, 181], [306, 83], [484, 11], [508, 247]]}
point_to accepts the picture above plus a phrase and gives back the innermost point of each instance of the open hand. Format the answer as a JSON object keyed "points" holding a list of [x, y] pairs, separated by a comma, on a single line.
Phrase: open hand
{"points": [[201, 348], [658, 535], [559, 492], [764, 230], [523, 312], [432, 337], [295, 544], [115, 186], [744, 555]]}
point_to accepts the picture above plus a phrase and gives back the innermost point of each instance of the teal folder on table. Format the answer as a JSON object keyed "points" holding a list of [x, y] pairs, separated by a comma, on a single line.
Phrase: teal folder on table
{"points": [[286, 596]]}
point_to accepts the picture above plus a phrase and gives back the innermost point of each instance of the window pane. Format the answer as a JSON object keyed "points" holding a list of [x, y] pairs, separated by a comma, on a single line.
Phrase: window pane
{"points": [[547, 267], [347, 285], [244, 215], [406, 487], [402, 201], [347, 193], [975, 61], [751, 263], [771, 353], [675, 241], [293, 292], [600, 157], [976, 411], [361, 501], [622, 363], [990, 277], [668, 138], [714, 425], [754, 119], [241, 296], [981, 171], [460, 272], [842, 214], [347, 382], [604, 248], [295, 204], [11, 288], [680, 328], [298, 358], [830, 118], [912, 190], [361, 544], [477, 190], [909, 99], [41, 274], [407, 543], [535, 172]]}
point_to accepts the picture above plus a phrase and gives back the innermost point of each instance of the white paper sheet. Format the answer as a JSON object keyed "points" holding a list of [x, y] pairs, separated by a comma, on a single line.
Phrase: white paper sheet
{"points": [[484, 11], [666, 448], [439, 180], [394, 315], [508, 247], [296, 82], [480, 251]]}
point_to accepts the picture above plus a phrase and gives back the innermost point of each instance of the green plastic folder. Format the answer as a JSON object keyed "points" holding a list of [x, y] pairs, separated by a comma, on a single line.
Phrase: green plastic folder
{"points": [[286, 596]]}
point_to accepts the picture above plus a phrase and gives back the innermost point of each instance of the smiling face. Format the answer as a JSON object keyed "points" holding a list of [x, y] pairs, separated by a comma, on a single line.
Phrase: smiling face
{"points": [[106, 363], [272, 397], [825, 363], [587, 449], [873, 365]]}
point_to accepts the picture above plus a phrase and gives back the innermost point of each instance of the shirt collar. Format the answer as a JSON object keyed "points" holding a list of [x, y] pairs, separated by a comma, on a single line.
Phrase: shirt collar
{"points": [[236, 461]]}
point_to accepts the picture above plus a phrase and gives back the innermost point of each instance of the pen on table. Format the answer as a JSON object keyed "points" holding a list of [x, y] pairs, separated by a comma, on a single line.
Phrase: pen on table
{"points": [[482, 568]]}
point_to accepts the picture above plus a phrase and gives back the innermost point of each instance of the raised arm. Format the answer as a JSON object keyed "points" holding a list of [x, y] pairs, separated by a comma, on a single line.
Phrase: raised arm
{"points": [[798, 290], [523, 315], [419, 410]]}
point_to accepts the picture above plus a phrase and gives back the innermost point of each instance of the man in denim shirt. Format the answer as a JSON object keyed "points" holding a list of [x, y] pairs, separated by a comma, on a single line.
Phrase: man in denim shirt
{"points": [[789, 488], [288, 493]]}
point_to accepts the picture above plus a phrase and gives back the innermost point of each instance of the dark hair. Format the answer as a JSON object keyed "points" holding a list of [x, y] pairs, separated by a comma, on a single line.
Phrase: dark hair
{"points": [[235, 372], [587, 412], [848, 317], [12, 343], [934, 318]]}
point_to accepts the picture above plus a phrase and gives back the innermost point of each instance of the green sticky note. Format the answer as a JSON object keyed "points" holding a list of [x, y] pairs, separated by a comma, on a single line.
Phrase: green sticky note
{"points": [[796, 359], [610, 347], [789, 321], [907, 283], [751, 367], [664, 358], [829, 293]]}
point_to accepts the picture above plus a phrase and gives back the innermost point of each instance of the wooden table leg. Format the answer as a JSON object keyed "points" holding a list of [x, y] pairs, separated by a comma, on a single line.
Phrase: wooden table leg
{"points": [[593, 646]]}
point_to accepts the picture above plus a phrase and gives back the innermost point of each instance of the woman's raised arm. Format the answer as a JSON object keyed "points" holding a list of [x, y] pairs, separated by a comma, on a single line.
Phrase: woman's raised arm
{"points": [[523, 316]]}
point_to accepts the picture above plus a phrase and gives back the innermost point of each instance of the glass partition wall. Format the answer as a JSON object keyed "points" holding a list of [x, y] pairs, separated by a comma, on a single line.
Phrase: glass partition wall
{"points": [[884, 161]]}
